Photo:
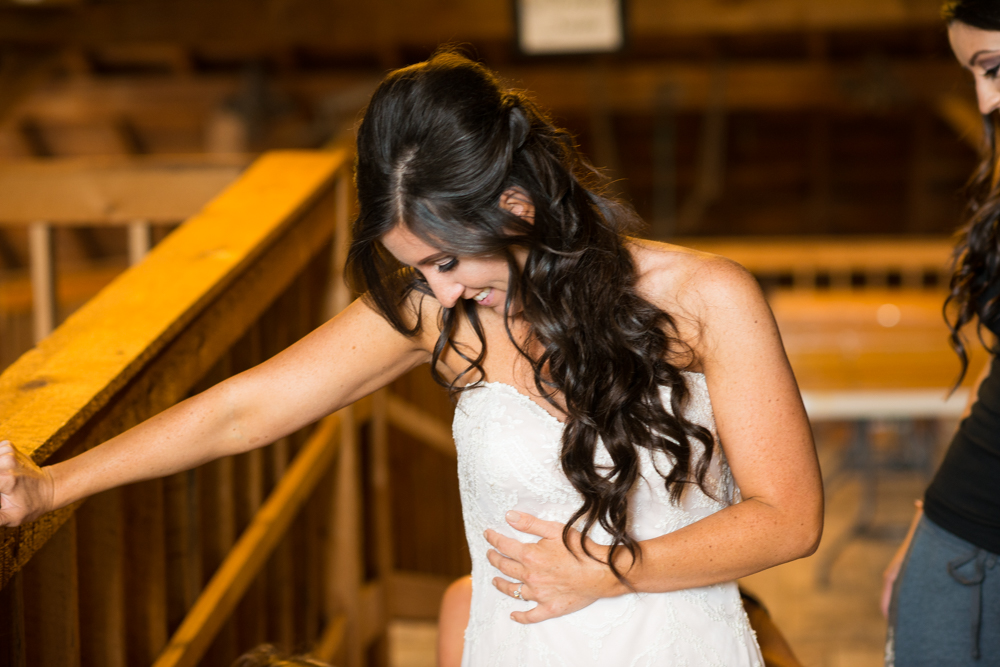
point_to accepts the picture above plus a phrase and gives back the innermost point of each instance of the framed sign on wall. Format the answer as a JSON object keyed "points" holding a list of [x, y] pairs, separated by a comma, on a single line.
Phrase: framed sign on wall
{"points": [[548, 27]]}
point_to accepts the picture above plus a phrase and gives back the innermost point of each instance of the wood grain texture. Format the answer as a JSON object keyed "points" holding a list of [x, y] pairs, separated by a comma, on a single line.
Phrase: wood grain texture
{"points": [[50, 583], [100, 554], [250, 553], [98, 192], [172, 330]]}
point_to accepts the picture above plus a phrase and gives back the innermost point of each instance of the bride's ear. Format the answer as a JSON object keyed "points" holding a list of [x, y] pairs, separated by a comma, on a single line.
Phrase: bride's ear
{"points": [[517, 201]]}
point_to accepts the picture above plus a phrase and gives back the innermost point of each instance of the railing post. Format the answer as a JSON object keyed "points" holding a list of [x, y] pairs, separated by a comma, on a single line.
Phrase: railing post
{"points": [[344, 593], [43, 279], [139, 241], [382, 511]]}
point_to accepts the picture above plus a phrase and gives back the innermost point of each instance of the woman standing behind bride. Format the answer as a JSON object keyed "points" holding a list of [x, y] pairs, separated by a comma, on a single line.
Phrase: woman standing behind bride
{"points": [[627, 402]]}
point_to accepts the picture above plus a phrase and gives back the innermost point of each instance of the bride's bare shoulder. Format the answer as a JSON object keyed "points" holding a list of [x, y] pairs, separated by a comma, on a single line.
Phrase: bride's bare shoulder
{"points": [[685, 280]]}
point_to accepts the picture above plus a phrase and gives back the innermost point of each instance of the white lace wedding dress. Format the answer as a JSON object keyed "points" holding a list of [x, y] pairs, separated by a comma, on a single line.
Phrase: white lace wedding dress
{"points": [[508, 458]]}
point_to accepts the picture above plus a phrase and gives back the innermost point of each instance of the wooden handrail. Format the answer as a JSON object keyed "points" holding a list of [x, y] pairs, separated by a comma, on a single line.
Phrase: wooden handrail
{"points": [[51, 393], [145, 342]]}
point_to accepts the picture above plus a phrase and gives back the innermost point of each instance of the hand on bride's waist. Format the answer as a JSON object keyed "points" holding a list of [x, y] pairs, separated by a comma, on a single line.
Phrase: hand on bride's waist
{"points": [[558, 579]]}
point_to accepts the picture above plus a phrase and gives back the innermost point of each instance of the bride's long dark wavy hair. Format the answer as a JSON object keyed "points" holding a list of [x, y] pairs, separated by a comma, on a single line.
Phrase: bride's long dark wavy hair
{"points": [[977, 253], [439, 144]]}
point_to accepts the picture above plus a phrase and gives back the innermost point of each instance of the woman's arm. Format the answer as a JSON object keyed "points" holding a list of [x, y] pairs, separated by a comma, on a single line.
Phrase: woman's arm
{"points": [[345, 359], [766, 437]]}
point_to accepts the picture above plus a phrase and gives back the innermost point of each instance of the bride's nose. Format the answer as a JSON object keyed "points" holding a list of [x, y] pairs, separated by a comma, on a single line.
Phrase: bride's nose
{"points": [[446, 290], [988, 94]]}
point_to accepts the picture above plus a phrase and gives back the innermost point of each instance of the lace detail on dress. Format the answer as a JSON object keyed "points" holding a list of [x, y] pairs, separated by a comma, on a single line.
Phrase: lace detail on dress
{"points": [[508, 458]]}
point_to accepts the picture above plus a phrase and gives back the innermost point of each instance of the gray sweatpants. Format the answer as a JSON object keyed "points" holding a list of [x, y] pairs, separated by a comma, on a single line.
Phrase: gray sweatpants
{"points": [[945, 607]]}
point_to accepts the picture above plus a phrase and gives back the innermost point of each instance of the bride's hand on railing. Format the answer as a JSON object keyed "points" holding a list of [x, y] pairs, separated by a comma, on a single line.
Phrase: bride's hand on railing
{"points": [[26, 491], [559, 580]]}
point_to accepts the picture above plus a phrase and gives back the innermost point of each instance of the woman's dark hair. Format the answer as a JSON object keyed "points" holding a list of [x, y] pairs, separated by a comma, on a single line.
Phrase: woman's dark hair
{"points": [[977, 253], [982, 14], [439, 144]]}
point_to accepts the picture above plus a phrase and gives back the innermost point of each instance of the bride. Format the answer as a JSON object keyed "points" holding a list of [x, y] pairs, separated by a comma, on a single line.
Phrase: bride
{"points": [[631, 439]]}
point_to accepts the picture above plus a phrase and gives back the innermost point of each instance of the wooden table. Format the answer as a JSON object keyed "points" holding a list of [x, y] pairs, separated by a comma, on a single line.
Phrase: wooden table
{"points": [[871, 355]]}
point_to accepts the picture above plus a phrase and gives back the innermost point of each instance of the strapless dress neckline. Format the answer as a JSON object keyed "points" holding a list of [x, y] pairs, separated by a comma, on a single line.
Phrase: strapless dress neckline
{"points": [[504, 386]]}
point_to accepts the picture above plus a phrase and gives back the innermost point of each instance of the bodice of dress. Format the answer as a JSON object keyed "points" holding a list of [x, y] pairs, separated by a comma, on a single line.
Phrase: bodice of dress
{"points": [[508, 459]]}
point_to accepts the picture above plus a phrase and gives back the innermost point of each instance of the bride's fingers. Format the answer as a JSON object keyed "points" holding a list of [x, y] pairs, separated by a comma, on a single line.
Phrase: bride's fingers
{"points": [[505, 545], [535, 526], [510, 587], [506, 565], [537, 614]]}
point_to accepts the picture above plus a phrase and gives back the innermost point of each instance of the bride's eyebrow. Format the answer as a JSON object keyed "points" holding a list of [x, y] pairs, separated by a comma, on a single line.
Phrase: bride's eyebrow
{"points": [[979, 55], [430, 259]]}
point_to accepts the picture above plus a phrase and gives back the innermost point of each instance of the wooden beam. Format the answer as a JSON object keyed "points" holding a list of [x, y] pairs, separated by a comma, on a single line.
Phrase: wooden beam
{"points": [[108, 192], [673, 17], [331, 639], [174, 102], [247, 26], [416, 422], [749, 85], [75, 286], [631, 87], [795, 255]]}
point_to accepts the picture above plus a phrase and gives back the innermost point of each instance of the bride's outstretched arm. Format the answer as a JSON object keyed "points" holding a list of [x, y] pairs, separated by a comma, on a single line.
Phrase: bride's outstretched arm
{"points": [[347, 358], [766, 437]]}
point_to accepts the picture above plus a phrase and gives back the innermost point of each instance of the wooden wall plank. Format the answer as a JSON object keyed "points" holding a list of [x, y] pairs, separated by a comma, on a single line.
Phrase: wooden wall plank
{"points": [[279, 574], [145, 572], [253, 548], [183, 541], [12, 648], [50, 582], [100, 557]]}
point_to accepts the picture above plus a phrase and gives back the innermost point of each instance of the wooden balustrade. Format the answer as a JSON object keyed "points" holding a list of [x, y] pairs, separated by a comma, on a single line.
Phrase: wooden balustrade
{"points": [[292, 544], [133, 194]]}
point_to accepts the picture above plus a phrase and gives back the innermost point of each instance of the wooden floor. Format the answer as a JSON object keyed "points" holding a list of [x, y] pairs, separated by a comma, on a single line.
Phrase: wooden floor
{"points": [[837, 627]]}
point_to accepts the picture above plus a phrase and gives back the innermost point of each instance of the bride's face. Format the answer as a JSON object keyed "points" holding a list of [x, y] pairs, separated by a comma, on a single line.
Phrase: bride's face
{"points": [[482, 279], [979, 52]]}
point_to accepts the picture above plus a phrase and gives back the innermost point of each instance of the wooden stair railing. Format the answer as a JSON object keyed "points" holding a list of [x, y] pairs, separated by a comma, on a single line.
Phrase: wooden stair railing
{"points": [[142, 196], [270, 545]]}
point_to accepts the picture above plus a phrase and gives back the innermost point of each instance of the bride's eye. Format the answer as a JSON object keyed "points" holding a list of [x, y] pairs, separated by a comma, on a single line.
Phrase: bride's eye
{"points": [[447, 265]]}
